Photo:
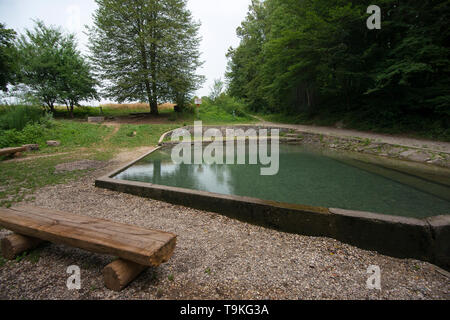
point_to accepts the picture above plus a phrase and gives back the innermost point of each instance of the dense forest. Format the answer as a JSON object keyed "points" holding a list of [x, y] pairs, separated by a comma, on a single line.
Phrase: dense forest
{"points": [[318, 58]]}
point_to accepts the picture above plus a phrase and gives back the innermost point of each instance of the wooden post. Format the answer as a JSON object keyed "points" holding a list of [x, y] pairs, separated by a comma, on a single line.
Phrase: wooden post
{"points": [[15, 244], [119, 273]]}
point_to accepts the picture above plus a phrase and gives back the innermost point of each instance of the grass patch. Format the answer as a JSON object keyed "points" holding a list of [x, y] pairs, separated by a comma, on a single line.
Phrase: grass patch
{"points": [[18, 180], [146, 135], [72, 134]]}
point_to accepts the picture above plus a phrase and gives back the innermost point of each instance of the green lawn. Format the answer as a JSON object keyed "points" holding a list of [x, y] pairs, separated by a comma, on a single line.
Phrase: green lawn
{"points": [[19, 179], [146, 135]]}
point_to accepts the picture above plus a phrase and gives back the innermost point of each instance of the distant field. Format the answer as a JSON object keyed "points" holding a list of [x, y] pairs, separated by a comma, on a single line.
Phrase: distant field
{"points": [[144, 107], [209, 113], [112, 109]]}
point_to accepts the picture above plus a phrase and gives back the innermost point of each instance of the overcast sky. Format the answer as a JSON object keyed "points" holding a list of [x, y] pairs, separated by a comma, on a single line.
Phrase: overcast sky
{"points": [[219, 19]]}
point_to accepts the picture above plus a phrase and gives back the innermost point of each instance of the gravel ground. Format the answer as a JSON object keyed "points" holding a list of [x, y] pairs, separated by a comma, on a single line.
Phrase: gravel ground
{"points": [[215, 258]]}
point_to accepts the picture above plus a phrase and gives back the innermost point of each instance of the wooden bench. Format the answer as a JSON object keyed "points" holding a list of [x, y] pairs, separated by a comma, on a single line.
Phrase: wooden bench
{"points": [[137, 248], [8, 151]]}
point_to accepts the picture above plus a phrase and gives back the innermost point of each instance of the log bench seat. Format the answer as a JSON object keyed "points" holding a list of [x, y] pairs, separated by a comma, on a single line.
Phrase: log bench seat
{"points": [[136, 247], [9, 151]]}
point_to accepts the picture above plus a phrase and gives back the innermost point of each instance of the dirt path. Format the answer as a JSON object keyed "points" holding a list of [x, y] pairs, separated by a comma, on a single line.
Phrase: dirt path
{"points": [[128, 155], [437, 146], [116, 127]]}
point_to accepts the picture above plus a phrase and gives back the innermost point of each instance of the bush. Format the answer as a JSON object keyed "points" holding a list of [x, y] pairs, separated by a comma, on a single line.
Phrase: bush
{"points": [[32, 133], [230, 105], [17, 117], [224, 103]]}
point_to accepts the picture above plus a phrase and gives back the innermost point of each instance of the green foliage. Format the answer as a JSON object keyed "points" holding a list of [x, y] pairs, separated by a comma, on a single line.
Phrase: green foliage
{"points": [[8, 65], [52, 68], [224, 108], [71, 134], [78, 83], [17, 117], [146, 50], [316, 57], [216, 89]]}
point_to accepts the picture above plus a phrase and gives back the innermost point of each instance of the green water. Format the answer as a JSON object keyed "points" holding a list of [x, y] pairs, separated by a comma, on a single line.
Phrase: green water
{"points": [[306, 178]]}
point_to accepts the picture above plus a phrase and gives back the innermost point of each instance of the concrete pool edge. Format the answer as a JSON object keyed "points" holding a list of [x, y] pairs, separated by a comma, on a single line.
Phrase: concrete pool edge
{"points": [[425, 239]]}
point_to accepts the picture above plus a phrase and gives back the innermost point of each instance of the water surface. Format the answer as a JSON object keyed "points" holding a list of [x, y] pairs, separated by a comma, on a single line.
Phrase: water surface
{"points": [[308, 178]]}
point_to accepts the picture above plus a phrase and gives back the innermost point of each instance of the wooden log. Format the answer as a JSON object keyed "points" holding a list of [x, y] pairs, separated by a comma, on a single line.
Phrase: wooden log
{"points": [[118, 274], [15, 244], [7, 151], [31, 147], [143, 246]]}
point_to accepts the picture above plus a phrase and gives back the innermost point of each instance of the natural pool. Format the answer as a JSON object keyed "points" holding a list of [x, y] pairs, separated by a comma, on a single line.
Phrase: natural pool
{"points": [[309, 178]]}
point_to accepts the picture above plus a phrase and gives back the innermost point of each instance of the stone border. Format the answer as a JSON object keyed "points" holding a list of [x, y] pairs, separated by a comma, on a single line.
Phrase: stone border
{"points": [[96, 119], [424, 239]]}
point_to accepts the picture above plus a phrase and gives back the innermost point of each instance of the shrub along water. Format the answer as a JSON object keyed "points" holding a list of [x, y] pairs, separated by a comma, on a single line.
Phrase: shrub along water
{"points": [[17, 117], [224, 108], [22, 125]]}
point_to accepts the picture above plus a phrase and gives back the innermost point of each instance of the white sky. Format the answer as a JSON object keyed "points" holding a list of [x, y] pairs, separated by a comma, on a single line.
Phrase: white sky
{"points": [[219, 19]]}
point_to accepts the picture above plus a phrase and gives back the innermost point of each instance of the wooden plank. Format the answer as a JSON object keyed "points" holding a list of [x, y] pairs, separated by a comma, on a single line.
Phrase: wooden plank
{"points": [[140, 245], [7, 151]]}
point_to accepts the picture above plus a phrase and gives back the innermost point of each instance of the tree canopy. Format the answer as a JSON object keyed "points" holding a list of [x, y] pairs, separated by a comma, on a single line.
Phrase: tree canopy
{"points": [[53, 69], [8, 65], [146, 50]]}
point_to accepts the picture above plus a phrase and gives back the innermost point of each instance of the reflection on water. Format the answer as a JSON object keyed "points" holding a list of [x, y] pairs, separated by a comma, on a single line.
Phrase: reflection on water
{"points": [[304, 178]]}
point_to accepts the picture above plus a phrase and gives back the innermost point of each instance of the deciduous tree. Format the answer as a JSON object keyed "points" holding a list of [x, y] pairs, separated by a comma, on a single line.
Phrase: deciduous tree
{"points": [[8, 65], [146, 50], [53, 69]]}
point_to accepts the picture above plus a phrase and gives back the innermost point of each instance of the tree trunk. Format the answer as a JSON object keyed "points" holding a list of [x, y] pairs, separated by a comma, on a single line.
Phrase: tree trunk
{"points": [[154, 99], [52, 107], [149, 89], [154, 108]]}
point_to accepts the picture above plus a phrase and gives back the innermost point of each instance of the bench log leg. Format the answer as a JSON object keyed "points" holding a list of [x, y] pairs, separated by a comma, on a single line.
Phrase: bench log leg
{"points": [[15, 244], [119, 273]]}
